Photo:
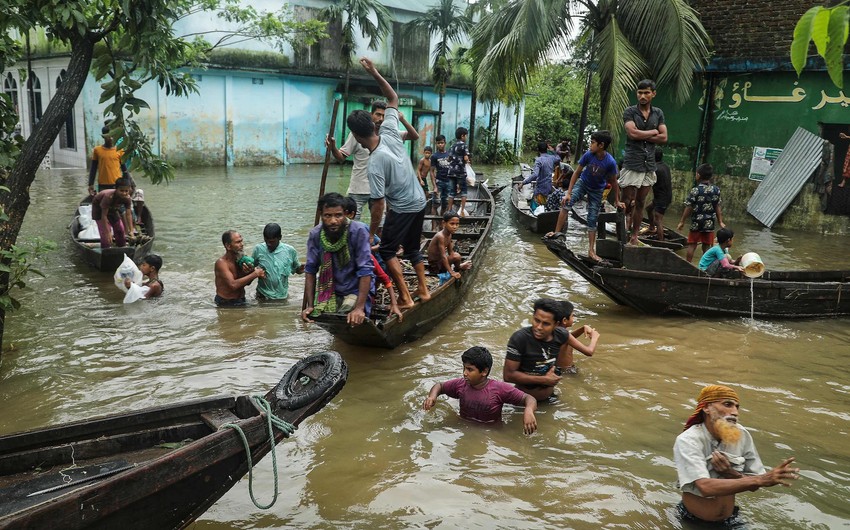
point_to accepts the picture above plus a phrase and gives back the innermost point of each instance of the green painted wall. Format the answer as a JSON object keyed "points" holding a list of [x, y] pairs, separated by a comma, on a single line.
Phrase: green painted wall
{"points": [[748, 110]]}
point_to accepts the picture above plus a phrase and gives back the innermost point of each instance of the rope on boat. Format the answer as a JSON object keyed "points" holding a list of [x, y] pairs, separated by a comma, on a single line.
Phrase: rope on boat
{"points": [[272, 420]]}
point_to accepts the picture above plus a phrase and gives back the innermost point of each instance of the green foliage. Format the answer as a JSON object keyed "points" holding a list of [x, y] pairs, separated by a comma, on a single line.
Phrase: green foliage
{"points": [[553, 106], [828, 28], [371, 16], [489, 151], [449, 24], [17, 262], [241, 58]]}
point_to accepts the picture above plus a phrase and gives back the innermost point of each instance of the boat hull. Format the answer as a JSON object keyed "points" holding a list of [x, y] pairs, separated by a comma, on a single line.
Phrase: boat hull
{"points": [[107, 260], [539, 224]]}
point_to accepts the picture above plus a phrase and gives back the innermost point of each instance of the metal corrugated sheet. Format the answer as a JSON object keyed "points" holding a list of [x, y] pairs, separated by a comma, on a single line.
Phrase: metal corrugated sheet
{"points": [[798, 160]]}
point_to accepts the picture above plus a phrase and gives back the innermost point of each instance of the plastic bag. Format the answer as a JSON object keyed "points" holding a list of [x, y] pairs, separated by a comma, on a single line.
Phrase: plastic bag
{"points": [[135, 292], [92, 233], [127, 269], [540, 209], [470, 176], [526, 192], [85, 216]]}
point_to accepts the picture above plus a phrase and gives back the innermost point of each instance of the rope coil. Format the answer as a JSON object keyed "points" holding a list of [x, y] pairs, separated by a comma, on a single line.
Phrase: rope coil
{"points": [[271, 420]]}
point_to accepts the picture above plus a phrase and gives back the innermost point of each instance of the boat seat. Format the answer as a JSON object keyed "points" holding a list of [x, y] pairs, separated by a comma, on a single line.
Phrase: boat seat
{"points": [[655, 259], [216, 418]]}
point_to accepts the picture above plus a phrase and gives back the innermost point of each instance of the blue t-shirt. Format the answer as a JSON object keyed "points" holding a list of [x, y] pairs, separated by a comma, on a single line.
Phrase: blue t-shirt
{"points": [[711, 255], [597, 172]]}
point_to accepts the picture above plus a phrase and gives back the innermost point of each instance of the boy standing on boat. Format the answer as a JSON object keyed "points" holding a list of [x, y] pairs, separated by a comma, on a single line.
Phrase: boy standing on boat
{"points": [[106, 164], [339, 271], [541, 175], [703, 207], [106, 212], [481, 398], [440, 173], [393, 183], [645, 129], [597, 168], [537, 353], [458, 159]]}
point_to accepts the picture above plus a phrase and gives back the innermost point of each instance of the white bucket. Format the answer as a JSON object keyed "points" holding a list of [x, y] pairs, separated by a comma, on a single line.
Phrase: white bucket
{"points": [[752, 265]]}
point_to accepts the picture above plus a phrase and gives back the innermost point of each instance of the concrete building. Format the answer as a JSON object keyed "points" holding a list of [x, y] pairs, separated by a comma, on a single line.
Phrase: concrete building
{"points": [[258, 105]]}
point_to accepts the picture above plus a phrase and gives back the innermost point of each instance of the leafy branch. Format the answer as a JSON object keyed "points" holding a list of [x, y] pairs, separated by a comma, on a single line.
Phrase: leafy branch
{"points": [[828, 28]]}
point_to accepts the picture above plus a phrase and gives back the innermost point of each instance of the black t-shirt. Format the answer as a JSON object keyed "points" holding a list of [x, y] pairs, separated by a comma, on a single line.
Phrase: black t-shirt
{"points": [[662, 190], [535, 356], [440, 161]]}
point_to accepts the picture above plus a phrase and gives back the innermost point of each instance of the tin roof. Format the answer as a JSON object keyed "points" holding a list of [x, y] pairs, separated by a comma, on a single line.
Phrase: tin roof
{"points": [[794, 166]]}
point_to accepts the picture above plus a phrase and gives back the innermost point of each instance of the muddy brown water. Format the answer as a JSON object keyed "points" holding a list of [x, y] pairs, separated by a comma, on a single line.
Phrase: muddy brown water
{"points": [[602, 457]]}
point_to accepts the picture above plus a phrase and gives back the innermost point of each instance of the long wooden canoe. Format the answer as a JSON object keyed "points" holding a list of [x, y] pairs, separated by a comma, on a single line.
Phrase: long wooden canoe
{"points": [[539, 224], [385, 331], [658, 281], [109, 259], [161, 467]]}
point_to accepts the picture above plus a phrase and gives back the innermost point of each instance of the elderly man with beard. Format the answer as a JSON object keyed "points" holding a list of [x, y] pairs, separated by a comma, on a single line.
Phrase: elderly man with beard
{"points": [[231, 276], [716, 458], [338, 254]]}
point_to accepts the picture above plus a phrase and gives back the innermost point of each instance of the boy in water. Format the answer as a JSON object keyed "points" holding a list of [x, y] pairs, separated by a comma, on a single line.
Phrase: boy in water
{"points": [[703, 207], [568, 319], [150, 266], [442, 258], [481, 398], [720, 253], [279, 260]]}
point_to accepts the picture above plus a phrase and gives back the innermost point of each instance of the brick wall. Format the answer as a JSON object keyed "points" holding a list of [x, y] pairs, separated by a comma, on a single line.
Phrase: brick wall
{"points": [[750, 29]]}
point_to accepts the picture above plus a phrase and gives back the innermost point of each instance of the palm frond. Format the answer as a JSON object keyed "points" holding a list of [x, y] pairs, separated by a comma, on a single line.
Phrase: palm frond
{"points": [[669, 34], [620, 66], [511, 43]]}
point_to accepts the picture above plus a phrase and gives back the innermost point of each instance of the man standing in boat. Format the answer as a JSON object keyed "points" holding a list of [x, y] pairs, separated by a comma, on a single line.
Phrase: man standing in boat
{"points": [[645, 128], [230, 272], [393, 184], [716, 459], [339, 272]]}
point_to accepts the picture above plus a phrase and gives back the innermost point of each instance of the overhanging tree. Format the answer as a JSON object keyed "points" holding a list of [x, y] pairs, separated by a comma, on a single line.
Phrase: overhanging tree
{"points": [[632, 39], [124, 43], [828, 28], [449, 24]]}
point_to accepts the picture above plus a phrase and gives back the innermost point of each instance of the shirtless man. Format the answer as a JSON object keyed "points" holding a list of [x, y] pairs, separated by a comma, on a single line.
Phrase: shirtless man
{"points": [[230, 278], [716, 459]]}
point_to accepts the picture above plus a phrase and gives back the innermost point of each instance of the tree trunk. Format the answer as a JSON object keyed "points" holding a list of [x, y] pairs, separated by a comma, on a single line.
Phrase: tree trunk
{"points": [[516, 130], [16, 201], [440, 116], [579, 149], [472, 116], [341, 141]]}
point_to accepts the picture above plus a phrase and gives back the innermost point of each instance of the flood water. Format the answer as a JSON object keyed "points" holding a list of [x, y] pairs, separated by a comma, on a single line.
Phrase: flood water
{"points": [[602, 457]]}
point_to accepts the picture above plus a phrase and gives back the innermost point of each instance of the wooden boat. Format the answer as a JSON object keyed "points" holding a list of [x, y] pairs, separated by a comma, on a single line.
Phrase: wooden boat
{"points": [[110, 258], [385, 331], [161, 467], [660, 282], [539, 224], [496, 190], [672, 239]]}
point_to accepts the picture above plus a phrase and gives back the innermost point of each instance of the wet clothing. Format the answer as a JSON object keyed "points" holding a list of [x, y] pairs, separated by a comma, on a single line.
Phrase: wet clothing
{"points": [[692, 454], [279, 265], [483, 404], [230, 302], [391, 175], [733, 522], [703, 198], [535, 356], [640, 154]]}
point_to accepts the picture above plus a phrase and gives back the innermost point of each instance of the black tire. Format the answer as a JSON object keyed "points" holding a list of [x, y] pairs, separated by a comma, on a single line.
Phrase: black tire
{"points": [[292, 394]]}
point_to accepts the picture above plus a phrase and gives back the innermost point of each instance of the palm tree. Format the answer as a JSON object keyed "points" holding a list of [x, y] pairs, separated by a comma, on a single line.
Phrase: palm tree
{"points": [[630, 40], [351, 13], [449, 24]]}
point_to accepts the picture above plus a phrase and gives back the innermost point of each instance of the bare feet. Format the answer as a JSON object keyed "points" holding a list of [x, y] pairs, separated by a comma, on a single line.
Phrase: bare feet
{"points": [[465, 266], [423, 297], [842, 183], [402, 305]]}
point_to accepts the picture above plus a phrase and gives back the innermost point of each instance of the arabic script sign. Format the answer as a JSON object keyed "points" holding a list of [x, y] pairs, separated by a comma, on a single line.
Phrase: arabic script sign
{"points": [[763, 159]]}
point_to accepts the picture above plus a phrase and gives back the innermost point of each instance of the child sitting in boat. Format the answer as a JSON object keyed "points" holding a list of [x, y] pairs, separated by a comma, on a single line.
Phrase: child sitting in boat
{"points": [[106, 212], [443, 261], [568, 319], [717, 259], [481, 398]]}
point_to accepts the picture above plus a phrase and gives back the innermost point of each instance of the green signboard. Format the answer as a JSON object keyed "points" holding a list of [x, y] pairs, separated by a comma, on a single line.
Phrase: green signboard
{"points": [[763, 159]]}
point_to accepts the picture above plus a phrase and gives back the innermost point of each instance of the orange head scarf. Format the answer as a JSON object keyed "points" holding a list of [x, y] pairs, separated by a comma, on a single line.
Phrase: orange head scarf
{"points": [[709, 394]]}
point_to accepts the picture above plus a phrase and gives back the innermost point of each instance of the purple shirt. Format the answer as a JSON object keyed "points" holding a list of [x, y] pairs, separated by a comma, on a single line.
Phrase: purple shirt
{"points": [[483, 404], [347, 278]]}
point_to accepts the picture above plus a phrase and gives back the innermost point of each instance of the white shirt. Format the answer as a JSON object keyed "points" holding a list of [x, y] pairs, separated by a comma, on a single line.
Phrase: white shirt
{"points": [[359, 184]]}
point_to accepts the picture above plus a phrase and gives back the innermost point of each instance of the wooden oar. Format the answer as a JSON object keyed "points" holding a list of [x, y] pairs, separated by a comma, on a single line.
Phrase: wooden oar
{"points": [[337, 97]]}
